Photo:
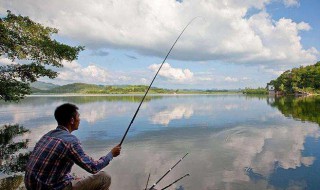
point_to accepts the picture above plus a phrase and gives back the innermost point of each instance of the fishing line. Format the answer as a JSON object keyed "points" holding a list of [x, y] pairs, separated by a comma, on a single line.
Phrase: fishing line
{"points": [[135, 114]]}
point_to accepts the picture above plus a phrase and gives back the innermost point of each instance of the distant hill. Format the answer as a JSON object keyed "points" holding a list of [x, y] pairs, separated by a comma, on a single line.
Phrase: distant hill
{"points": [[35, 90], [82, 88], [42, 86], [77, 88]]}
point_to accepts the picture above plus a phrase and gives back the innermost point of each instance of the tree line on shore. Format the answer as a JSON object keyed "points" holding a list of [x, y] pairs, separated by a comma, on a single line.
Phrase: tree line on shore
{"points": [[302, 80], [83, 88]]}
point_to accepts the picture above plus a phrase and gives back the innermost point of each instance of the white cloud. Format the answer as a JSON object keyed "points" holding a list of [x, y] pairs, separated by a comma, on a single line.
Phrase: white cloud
{"points": [[291, 3], [303, 26], [144, 81], [231, 79], [149, 27], [276, 72], [74, 72], [169, 72], [235, 79], [281, 40]]}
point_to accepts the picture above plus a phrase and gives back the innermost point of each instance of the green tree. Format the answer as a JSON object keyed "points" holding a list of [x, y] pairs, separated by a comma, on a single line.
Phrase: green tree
{"points": [[302, 79], [30, 44], [10, 161]]}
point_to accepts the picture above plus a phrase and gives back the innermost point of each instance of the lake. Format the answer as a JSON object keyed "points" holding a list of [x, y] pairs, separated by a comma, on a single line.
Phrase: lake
{"points": [[233, 141]]}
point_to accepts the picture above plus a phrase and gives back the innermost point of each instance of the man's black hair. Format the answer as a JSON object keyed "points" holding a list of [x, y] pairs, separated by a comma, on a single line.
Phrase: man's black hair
{"points": [[65, 112]]}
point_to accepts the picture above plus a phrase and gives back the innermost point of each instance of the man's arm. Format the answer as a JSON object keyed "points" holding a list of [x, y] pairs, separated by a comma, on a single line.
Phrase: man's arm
{"points": [[87, 163]]}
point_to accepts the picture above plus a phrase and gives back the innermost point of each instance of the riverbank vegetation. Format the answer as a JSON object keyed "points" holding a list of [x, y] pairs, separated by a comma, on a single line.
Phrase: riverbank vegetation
{"points": [[82, 88], [302, 80], [258, 91]]}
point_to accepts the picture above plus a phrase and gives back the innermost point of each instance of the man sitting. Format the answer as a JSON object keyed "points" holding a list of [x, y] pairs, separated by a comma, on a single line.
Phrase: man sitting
{"points": [[55, 153]]}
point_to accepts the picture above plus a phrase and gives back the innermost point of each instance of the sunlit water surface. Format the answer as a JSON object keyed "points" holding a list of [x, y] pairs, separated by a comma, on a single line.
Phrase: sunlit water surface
{"points": [[233, 141]]}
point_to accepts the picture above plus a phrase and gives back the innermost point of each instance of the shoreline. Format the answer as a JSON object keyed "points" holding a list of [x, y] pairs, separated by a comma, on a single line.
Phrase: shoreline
{"points": [[79, 94]]}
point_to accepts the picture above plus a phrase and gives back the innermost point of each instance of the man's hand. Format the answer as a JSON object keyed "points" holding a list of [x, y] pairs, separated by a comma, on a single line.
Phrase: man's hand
{"points": [[116, 151]]}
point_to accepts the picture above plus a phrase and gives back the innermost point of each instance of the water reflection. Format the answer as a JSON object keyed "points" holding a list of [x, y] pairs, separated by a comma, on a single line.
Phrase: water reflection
{"points": [[220, 159], [258, 150], [172, 112], [301, 108], [235, 142], [42, 108]]}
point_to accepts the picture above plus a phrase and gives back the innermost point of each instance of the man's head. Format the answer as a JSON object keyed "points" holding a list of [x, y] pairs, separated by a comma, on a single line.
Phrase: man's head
{"points": [[68, 116]]}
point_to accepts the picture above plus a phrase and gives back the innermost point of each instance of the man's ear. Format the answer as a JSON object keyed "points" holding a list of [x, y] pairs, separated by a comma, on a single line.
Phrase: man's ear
{"points": [[72, 120]]}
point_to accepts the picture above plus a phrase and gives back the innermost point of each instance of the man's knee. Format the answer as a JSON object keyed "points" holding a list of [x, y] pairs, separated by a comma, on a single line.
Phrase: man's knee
{"points": [[104, 177], [103, 174]]}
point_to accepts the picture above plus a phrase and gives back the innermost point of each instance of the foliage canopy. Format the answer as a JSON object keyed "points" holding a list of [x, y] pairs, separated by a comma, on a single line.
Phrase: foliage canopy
{"points": [[299, 80], [30, 43]]}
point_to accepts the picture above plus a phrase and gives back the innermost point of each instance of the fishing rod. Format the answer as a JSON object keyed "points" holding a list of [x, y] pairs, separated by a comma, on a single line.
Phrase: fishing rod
{"points": [[167, 172], [147, 181], [175, 181], [134, 116]]}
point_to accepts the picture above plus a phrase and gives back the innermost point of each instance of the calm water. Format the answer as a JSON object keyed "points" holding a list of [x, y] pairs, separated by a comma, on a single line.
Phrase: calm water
{"points": [[233, 141]]}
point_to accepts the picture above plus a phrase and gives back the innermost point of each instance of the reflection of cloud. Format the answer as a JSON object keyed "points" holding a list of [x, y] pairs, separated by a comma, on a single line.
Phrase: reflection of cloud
{"points": [[231, 106], [37, 132], [260, 149], [214, 162], [93, 112], [177, 112], [22, 113], [90, 112]]}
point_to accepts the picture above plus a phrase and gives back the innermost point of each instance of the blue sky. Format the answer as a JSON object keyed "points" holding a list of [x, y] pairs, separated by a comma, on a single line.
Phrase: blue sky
{"points": [[235, 44]]}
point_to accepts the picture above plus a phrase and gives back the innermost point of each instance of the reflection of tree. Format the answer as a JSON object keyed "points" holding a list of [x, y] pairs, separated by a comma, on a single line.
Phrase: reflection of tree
{"points": [[42, 100], [12, 160], [89, 99], [11, 183], [303, 108]]}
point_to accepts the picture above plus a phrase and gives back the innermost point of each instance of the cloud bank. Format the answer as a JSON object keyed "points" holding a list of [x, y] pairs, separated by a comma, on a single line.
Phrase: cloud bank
{"points": [[169, 72], [225, 32], [74, 72]]}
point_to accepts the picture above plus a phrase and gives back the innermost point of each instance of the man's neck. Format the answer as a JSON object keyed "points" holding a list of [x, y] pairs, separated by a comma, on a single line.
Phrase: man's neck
{"points": [[67, 128]]}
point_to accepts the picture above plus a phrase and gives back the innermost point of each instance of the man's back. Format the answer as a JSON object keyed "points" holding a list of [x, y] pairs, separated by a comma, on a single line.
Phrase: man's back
{"points": [[49, 163]]}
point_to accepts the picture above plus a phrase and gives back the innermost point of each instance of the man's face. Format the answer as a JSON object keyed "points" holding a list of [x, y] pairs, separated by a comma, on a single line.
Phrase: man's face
{"points": [[76, 122]]}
